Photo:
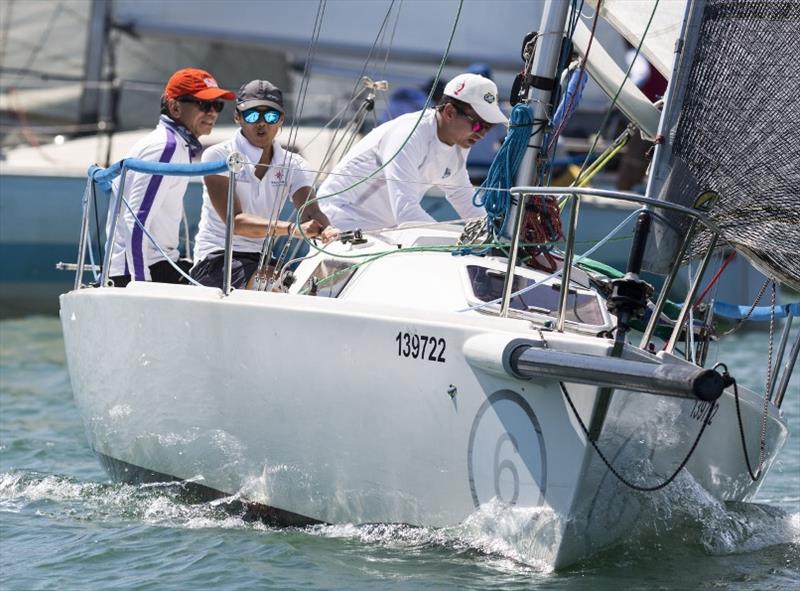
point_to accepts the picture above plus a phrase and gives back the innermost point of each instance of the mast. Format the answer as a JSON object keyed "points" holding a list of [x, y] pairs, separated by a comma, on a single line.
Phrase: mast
{"points": [[89, 109], [540, 94]]}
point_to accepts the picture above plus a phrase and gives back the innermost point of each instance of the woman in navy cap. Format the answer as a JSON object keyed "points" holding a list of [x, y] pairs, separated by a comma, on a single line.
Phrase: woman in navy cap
{"points": [[261, 189]]}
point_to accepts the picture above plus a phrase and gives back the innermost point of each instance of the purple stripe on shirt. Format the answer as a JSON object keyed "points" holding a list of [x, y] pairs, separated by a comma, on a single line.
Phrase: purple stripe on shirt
{"points": [[144, 210]]}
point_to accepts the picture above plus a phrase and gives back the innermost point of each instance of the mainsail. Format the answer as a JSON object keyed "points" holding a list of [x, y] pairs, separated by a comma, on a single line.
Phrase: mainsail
{"points": [[730, 132]]}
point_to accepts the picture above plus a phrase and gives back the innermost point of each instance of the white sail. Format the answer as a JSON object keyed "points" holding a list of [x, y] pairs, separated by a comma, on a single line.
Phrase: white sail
{"points": [[350, 26], [605, 71], [630, 18]]}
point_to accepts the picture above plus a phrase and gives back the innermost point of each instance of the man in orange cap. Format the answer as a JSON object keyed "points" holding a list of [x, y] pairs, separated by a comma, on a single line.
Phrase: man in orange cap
{"points": [[190, 106]]}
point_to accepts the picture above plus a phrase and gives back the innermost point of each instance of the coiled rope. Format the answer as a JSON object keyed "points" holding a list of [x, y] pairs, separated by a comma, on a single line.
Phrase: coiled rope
{"points": [[493, 194]]}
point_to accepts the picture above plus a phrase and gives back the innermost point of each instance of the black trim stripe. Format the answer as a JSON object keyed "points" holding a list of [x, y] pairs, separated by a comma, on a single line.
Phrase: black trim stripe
{"points": [[197, 493]]}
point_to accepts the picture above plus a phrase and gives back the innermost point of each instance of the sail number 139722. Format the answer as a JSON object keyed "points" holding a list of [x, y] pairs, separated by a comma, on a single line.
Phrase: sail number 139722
{"points": [[420, 346]]}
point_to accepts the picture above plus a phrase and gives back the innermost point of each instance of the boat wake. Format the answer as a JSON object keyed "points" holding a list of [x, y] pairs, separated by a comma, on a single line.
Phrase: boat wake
{"points": [[509, 538]]}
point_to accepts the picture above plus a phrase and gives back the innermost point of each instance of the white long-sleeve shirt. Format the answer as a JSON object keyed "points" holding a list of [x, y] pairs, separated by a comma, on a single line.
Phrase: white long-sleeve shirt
{"points": [[394, 194], [158, 203]]}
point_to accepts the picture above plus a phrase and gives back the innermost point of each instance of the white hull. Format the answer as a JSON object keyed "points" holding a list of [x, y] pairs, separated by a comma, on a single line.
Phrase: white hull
{"points": [[307, 405]]}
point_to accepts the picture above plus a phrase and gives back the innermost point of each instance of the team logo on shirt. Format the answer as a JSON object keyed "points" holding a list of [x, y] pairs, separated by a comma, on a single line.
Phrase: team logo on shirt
{"points": [[278, 178], [447, 173]]}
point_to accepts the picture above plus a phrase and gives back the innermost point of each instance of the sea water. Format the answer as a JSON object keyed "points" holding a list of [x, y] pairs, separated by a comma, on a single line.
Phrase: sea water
{"points": [[64, 525]]}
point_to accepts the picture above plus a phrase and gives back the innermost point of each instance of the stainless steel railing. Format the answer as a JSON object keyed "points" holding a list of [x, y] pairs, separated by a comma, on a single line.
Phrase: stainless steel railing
{"points": [[696, 217]]}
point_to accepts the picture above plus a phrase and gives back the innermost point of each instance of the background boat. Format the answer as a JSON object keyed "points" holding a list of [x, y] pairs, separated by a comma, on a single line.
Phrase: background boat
{"points": [[77, 76]]}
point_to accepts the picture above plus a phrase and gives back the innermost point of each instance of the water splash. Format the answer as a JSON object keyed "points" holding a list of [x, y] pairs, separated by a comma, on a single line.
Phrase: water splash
{"points": [[162, 504], [685, 513], [510, 539], [523, 537]]}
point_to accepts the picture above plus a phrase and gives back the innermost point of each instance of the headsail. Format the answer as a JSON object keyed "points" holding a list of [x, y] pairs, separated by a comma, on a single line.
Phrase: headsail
{"points": [[730, 132], [630, 17]]}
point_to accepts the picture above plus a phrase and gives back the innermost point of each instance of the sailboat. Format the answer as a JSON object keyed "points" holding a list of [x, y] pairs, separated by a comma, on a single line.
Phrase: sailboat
{"points": [[386, 380]]}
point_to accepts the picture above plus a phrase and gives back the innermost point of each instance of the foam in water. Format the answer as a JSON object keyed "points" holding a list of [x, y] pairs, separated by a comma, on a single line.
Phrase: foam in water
{"points": [[512, 538]]}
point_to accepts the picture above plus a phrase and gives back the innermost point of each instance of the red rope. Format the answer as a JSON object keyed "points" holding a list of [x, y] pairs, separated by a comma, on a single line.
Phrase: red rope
{"points": [[714, 278]]}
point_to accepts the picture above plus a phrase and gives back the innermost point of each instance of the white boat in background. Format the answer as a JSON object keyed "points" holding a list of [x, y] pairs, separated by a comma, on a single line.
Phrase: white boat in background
{"points": [[40, 216], [387, 380], [38, 233]]}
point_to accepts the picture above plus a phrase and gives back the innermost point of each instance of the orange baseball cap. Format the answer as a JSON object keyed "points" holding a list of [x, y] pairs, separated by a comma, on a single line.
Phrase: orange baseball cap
{"points": [[197, 83]]}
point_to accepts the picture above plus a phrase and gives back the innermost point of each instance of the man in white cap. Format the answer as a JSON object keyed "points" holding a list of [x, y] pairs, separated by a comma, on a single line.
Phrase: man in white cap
{"points": [[415, 152]]}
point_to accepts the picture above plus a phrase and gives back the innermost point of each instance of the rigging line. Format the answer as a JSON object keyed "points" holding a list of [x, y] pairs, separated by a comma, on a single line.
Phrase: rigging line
{"points": [[156, 244], [304, 82], [391, 40], [270, 238], [408, 137], [357, 122], [357, 92], [372, 48], [754, 476], [279, 204], [714, 279], [741, 321], [351, 130], [622, 479], [40, 45], [616, 95], [569, 108], [382, 35], [768, 385], [6, 29], [559, 271], [330, 121]]}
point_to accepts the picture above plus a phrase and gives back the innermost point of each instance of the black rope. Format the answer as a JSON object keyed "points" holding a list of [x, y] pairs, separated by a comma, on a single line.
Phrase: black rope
{"points": [[614, 471], [754, 476]]}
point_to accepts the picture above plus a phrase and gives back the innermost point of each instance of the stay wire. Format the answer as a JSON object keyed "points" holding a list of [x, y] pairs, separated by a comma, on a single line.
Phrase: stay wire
{"points": [[278, 205], [616, 96], [405, 141], [353, 127]]}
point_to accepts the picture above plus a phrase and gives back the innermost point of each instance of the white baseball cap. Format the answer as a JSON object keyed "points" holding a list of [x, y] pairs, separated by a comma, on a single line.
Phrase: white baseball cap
{"points": [[479, 93]]}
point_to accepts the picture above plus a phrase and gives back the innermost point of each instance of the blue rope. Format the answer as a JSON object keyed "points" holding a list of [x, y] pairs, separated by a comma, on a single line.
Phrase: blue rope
{"points": [[493, 194], [572, 97], [759, 314], [103, 176]]}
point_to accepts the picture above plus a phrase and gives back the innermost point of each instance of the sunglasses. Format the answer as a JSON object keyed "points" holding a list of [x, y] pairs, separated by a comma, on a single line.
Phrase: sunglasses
{"points": [[252, 116], [477, 124], [204, 106]]}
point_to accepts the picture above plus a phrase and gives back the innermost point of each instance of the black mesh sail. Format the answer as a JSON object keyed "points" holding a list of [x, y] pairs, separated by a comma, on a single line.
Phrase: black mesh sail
{"points": [[734, 136]]}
